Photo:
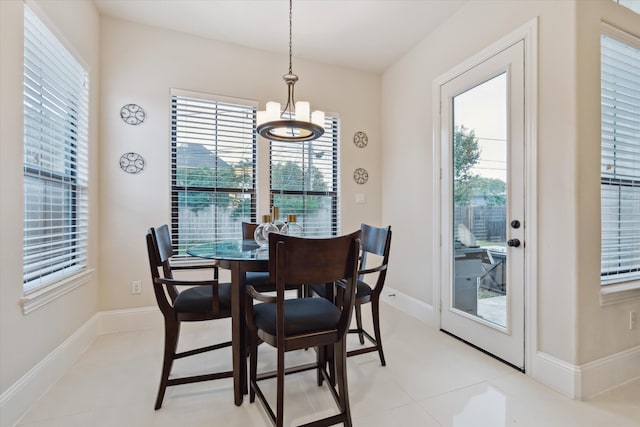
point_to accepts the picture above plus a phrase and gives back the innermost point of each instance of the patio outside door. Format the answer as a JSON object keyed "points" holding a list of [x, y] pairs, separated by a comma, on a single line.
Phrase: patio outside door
{"points": [[483, 205]]}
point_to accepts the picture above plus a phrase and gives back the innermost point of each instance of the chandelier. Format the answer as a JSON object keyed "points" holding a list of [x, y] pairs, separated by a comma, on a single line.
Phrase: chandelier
{"points": [[294, 123]]}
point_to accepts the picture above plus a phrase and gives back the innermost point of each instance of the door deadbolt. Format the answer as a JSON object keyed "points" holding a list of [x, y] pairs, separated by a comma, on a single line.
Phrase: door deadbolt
{"points": [[515, 223]]}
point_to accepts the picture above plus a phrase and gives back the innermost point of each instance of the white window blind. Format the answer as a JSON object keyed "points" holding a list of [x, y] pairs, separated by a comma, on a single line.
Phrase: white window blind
{"points": [[213, 168], [304, 181], [55, 158], [620, 154]]}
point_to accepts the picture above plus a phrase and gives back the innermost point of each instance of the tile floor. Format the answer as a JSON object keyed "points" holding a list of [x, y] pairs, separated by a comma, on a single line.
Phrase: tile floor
{"points": [[431, 380]]}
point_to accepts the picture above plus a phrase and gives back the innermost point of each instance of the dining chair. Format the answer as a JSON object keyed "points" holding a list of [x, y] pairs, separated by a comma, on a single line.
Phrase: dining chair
{"points": [[201, 300], [299, 323], [374, 241]]}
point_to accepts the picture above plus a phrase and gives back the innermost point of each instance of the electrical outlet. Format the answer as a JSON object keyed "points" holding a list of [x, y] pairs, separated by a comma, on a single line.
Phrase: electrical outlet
{"points": [[633, 319], [136, 287]]}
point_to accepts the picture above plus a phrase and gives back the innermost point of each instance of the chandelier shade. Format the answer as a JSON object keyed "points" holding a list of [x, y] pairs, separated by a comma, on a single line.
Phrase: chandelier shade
{"points": [[295, 122]]}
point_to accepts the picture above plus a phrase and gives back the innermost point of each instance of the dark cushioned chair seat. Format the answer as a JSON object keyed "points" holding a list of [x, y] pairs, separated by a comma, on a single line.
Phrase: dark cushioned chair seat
{"points": [[300, 315], [198, 298], [362, 289]]}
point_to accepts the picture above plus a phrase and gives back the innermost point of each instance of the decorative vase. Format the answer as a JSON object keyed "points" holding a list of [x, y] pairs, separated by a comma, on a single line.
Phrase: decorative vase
{"points": [[291, 227], [261, 235]]}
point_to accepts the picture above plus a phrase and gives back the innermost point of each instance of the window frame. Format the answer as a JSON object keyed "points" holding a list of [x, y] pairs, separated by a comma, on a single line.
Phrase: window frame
{"points": [[45, 91], [176, 189], [616, 286]]}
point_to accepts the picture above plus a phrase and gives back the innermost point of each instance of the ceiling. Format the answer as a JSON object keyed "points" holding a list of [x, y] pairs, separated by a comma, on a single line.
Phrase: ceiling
{"points": [[368, 35]]}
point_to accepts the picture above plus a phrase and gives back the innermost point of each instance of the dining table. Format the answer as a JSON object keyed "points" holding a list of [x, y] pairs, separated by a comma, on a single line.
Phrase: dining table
{"points": [[238, 256]]}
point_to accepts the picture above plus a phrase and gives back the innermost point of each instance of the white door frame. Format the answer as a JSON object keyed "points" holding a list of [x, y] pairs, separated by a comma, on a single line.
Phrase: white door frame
{"points": [[529, 34]]}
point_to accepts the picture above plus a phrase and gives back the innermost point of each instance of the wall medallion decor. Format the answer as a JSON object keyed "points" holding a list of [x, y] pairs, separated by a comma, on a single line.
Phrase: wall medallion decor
{"points": [[360, 139], [132, 163], [360, 176], [132, 114]]}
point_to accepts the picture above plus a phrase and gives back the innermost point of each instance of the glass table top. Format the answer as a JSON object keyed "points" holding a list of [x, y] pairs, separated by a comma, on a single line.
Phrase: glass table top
{"points": [[231, 250]]}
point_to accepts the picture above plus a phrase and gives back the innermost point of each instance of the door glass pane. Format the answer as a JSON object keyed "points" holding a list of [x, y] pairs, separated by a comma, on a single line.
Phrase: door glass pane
{"points": [[480, 201]]}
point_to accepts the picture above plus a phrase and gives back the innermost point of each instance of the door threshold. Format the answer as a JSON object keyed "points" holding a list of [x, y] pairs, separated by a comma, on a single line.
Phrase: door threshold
{"points": [[517, 368]]}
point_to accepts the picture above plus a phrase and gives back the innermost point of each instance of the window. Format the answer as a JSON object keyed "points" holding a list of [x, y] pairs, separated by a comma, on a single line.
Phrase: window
{"points": [[630, 4], [55, 158], [213, 167], [620, 154], [304, 181]]}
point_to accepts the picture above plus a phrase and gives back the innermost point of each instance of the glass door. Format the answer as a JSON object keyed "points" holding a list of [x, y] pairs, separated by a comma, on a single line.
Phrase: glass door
{"points": [[483, 154]]}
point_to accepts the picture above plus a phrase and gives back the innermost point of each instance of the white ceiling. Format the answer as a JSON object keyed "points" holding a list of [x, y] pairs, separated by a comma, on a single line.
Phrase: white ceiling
{"points": [[363, 34]]}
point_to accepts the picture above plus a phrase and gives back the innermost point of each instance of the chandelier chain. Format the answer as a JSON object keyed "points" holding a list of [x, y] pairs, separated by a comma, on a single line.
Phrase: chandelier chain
{"points": [[290, 35]]}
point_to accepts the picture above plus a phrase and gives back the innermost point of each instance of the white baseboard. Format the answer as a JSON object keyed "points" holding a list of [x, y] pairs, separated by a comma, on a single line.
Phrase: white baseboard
{"points": [[609, 372], [586, 381], [554, 373], [17, 399], [414, 307], [129, 320]]}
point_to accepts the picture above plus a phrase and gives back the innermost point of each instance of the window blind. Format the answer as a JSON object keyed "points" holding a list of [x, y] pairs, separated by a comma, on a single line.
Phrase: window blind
{"points": [[304, 181], [213, 168], [56, 100], [620, 155]]}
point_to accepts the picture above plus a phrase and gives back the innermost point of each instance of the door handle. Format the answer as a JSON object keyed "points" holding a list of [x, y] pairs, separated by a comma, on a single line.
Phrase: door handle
{"points": [[513, 242]]}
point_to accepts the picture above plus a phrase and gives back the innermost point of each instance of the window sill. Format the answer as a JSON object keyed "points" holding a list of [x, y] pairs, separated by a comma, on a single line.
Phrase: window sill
{"points": [[623, 292], [44, 296]]}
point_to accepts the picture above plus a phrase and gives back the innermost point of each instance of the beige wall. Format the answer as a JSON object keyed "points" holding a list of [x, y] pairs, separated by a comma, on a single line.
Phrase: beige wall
{"points": [[140, 64], [571, 325], [27, 339]]}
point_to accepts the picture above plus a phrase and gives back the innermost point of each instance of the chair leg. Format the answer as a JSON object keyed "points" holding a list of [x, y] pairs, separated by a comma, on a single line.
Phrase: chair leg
{"points": [[171, 332], [253, 364], [375, 314], [359, 322], [331, 363], [321, 360], [340, 357], [280, 389]]}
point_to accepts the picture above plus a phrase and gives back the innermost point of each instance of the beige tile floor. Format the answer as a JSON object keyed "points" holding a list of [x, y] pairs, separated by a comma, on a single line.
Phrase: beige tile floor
{"points": [[430, 380]]}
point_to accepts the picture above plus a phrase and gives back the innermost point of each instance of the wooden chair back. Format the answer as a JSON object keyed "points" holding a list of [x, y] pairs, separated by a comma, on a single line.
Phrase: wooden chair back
{"points": [[375, 241], [248, 228], [159, 262], [296, 261]]}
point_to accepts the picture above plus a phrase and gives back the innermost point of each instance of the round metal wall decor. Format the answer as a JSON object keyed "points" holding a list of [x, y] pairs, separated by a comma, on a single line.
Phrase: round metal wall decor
{"points": [[132, 163], [360, 139], [360, 176], [132, 114]]}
